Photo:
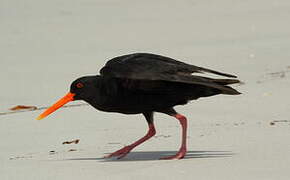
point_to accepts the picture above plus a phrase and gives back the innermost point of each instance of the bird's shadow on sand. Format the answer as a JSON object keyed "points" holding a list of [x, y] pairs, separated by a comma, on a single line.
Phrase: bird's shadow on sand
{"points": [[156, 155]]}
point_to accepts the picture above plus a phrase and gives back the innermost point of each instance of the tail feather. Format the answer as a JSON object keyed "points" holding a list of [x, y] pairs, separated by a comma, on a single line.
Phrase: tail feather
{"points": [[225, 81], [229, 91], [201, 69]]}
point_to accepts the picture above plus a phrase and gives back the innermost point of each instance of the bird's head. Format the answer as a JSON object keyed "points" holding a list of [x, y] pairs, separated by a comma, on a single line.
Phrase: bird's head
{"points": [[80, 89]]}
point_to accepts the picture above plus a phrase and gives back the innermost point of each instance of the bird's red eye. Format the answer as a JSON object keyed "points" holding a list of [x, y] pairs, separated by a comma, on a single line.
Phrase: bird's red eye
{"points": [[80, 85]]}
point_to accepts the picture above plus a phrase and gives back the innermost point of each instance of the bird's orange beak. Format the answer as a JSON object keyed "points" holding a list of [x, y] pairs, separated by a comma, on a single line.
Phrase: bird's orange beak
{"points": [[67, 98]]}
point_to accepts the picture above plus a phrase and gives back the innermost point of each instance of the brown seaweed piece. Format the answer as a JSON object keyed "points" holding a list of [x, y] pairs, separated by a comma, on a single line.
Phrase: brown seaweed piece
{"points": [[22, 107]]}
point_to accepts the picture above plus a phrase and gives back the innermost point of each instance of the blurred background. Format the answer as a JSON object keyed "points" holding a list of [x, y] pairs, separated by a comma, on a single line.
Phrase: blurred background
{"points": [[47, 44]]}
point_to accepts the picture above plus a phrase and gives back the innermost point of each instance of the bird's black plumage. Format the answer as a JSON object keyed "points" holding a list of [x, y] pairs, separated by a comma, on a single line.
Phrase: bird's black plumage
{"points": [[144, 66], [146, 83]]}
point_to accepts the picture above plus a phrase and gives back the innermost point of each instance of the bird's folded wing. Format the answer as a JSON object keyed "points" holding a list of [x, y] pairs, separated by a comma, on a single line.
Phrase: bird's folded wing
{"points": [[144, 66]]}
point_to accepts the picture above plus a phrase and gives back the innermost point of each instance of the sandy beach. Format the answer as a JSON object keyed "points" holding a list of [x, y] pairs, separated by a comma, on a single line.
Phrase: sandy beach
{"points": [[45, 45]]}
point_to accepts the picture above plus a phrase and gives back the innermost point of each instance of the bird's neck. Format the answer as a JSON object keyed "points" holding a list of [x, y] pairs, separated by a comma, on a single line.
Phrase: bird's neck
{"points": [[105, 92]]}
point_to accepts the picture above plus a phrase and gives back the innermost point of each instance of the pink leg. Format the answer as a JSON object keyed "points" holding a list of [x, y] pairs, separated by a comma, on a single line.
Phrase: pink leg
{"points": [[125, 150], [182, 151]]}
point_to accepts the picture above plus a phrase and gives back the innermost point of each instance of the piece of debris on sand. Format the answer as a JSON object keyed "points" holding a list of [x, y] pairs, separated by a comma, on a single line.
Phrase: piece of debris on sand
{"points": [[72, 142], [71, 150], [22, 107], [272, 123], [52, 152]]}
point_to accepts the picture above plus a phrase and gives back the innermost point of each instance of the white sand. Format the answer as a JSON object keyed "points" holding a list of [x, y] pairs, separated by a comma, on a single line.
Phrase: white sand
{"points": [[47, 44]]}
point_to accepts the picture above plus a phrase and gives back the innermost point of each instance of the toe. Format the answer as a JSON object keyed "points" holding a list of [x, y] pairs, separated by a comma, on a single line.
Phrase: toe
{"points": [[121, 152], [179, 155]]}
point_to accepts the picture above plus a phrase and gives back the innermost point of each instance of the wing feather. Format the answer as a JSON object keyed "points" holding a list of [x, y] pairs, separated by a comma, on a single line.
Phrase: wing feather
{"points": [[144, 66]]}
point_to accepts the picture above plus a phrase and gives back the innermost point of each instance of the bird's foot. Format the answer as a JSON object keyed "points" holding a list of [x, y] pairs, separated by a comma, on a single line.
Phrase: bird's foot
{"points": [[120, 153], [179, 155]]}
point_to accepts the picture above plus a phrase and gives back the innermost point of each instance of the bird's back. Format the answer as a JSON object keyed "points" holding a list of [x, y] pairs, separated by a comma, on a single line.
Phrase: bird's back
{"points": [[143, 66]]}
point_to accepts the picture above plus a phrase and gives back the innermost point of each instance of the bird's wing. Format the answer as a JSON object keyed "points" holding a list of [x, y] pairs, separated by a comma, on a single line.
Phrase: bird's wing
{"points": [[144, 66]]}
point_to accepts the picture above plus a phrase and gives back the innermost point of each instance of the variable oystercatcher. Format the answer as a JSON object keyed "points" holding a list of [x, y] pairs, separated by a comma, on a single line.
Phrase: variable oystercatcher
{"points": [[146, 83]]}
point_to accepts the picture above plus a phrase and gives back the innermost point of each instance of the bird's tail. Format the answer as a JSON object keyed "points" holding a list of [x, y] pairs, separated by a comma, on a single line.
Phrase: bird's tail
{"points": [[225, 81], [227, 89]]}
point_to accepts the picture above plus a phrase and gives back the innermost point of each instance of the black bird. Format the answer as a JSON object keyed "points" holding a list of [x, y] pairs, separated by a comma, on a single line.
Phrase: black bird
{"points": [[146, 83]]}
